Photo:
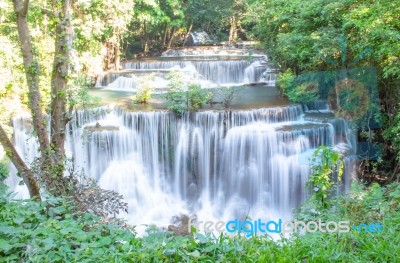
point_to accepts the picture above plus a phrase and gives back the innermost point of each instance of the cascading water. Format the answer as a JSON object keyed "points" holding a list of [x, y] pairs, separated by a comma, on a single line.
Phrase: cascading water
{"points": [[219, 165], [212, 66], [214, 163]]}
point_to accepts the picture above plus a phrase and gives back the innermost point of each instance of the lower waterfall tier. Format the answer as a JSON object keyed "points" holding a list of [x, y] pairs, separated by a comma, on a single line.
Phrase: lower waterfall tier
{"points": [[216, 164]]}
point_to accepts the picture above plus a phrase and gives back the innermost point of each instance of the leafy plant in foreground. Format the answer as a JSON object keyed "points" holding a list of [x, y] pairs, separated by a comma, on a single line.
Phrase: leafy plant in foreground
{"points": [[325, 164]]}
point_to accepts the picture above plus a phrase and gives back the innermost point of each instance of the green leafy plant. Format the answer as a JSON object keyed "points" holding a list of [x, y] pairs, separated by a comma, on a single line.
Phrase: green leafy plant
{"points": [[180, 98], [325, 164], [285, 81], [52, 230], [4, 171], [144, 87], [197, 97], [176, 98], [304, 92], [227, 94], [78, 94]]}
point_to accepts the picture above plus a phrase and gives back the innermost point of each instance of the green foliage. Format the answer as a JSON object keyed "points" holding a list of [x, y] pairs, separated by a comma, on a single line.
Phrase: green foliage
{"points": [[176, 95], [297, 92], [325, 164], [362, 205], [185, 96], [321, 35], [50, 231], [304, 92], [4, 171], [197, 97], [78, 94], [144, 88], [285, 81], [392, 134], [228, 94]]}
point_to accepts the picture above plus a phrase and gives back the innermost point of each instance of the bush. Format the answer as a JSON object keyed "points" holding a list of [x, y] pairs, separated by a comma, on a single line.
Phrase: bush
{"points": [[325, 164], [144, 88], [197, 97], [78, 94], [50, 231], [4, 171], [228, 94], [297, 92], [181, 97], [285, 81], [304, 92]]}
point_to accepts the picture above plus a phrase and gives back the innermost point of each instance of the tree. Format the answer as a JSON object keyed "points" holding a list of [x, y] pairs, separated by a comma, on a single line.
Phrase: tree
{"points": [[51, 145], [22, 168], [321, 35]]}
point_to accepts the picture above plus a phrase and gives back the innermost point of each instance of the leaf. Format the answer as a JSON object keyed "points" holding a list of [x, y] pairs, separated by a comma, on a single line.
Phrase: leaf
{"points": [[5, 246], [202, 238], [195, 254], [210, 248], [59, 210], [19, 220]]}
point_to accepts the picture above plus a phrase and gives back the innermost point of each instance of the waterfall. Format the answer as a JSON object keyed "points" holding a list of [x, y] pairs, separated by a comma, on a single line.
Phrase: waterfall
{"points": [[217, 164], [208, 66], [217, 71]]}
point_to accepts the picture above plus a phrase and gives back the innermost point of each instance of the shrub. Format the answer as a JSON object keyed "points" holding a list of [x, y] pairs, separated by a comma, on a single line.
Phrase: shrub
{"points": [[4, 171], [144, 88], [325, 164], [197, 97], [285, 81], [228, 94], [78, 94], [179, 98], [297, 92], [176, 97], [304, 92]]}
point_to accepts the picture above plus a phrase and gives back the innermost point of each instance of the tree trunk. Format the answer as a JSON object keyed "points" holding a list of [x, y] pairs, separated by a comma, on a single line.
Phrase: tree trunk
{"points": [[171, 38], [165, 36], [117, 60], [31, 66], [233, 30], [59, 82], [23, 170], [187, 35]]}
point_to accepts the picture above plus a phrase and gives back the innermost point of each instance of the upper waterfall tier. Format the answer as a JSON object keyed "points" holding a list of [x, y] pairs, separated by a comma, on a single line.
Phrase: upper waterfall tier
{"points": [[209, 67], [212, 51], [232, 71]]}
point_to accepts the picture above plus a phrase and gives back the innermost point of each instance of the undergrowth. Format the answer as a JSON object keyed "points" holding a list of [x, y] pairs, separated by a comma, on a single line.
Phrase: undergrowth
{"points": [[51, 231]]}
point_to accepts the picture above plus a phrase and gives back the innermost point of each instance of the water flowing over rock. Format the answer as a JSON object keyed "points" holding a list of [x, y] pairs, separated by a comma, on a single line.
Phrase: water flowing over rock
{"points": [[199, 38], [218, 164], [211, 66]]}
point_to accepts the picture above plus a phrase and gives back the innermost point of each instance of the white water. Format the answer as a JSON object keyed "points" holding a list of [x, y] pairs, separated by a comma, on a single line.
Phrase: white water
{"points": [[219, 165], [210, 67]]}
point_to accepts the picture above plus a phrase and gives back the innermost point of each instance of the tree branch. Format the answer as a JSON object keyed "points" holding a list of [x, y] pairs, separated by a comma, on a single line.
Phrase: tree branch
{"points": [[24, 9], [23, 170], [48, 12]]}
